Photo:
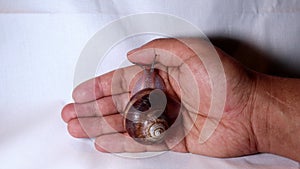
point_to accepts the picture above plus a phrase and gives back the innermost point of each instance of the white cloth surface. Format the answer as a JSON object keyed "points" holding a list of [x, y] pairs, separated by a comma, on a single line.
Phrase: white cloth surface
{"points": [[40, 42]]}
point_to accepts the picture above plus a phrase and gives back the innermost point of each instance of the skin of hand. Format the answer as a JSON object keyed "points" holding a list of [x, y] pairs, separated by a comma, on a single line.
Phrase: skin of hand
{"points": [[242, 129]]}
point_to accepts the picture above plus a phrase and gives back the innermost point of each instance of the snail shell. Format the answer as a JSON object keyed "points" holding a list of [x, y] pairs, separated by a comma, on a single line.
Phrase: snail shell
{"points": [[146, 118]]}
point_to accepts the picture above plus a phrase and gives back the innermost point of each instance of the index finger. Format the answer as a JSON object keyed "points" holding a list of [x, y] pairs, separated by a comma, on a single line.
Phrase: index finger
{"points": [[112, 83]]}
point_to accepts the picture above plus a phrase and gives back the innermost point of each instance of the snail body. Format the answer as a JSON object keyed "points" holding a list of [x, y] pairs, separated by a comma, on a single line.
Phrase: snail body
{"points": [[146, 118]]}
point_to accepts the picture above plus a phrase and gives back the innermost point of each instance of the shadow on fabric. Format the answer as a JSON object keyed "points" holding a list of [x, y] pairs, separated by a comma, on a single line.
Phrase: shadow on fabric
{"points": [[253, 57]]}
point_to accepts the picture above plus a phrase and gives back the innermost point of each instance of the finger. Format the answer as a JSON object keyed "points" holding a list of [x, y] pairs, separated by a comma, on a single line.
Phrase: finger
{"points": [[102, 107], [95, 126], [115, 82], [118, 143], [169, 52]]}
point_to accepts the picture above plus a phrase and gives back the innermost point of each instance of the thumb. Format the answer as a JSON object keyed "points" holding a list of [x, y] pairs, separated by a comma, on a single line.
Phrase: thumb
{"points": [[168, 52]]}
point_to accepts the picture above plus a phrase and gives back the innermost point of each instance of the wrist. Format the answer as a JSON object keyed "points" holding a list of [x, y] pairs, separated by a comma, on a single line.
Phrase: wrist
{"points": [[275, 115], [260, 112]]}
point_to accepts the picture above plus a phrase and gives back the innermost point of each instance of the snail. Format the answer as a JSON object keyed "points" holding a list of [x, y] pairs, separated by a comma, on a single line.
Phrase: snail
{"points": [[146, 114]]}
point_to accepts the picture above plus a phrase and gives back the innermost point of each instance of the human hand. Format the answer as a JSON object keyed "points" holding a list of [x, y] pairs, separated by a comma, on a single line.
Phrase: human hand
{"points": [[95, 112]]}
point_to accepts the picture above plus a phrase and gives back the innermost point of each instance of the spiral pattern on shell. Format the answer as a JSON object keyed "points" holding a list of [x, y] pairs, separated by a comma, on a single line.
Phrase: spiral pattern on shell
{"points": [[145, 120]]}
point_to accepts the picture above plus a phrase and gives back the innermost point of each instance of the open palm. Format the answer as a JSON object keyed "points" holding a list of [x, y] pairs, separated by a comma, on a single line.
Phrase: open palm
{"points": [[98, 102]]}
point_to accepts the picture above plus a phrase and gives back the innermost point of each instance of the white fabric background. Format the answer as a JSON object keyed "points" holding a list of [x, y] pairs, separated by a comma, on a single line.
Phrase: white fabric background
{"points": [[40, 42]]}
